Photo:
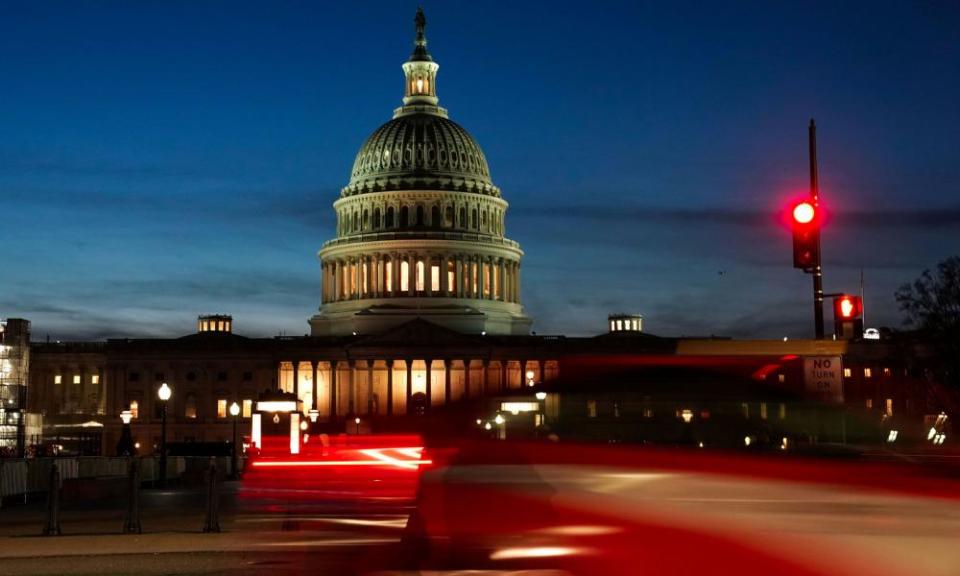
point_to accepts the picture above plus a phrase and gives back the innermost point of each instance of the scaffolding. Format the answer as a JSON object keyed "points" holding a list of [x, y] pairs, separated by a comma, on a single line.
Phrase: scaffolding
{"points": [[14, 372]]}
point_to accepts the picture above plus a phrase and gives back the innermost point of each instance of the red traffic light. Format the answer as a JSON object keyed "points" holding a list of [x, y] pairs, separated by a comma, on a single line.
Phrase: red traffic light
{"points": [[805, 221], [847, 307], [804, 213]]}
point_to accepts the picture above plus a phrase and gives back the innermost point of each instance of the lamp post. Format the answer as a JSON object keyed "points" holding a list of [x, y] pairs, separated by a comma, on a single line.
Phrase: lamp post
{"points": [[357, 422], [234, 412], [125, 448], [163, 393]]}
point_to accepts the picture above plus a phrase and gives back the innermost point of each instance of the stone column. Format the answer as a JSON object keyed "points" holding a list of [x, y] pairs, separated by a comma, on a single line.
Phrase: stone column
{"points": [[352, 388], [389, 387], [444, 276], [296, 377], [428, 275], [395, 278], [501, 280], [446, 381], [316, 387], [429, 383], [412, 274], [333, 390], [409, 383], [370, 386], [486, 376]]}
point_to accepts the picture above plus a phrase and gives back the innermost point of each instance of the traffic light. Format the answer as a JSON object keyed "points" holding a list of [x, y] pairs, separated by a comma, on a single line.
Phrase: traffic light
{"points": [[805, 221], [847, 316]]}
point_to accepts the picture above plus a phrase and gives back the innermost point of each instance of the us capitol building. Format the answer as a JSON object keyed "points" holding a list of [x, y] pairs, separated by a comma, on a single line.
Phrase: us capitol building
{"points": [[420, 227], [420, 307]]}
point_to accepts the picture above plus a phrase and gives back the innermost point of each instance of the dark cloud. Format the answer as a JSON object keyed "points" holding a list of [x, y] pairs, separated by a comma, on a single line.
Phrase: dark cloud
{"points": [[905, 218]]}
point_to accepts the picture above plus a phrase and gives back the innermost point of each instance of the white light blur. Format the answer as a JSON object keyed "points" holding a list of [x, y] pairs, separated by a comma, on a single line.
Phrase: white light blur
{"points": [[499, 419], [747, 440], [534, 552], [687, 416], [931, 433], [255, 431], [276, 406], [164, 392], [541, 396], [892, 436], [487, 426]]}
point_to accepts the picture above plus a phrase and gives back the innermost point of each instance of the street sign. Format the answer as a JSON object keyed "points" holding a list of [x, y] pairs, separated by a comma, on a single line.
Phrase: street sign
{"points": [[823, 377]]}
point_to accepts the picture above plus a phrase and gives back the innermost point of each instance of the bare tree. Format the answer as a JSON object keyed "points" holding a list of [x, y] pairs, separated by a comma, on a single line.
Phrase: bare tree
{"points": [[931, 304]]}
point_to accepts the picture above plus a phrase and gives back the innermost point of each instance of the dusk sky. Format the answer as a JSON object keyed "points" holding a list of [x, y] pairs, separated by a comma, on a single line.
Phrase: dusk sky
{"points": [[163, 160]]}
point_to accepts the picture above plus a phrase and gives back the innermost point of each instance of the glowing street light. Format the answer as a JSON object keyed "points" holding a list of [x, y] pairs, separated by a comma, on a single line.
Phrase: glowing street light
{"points": [[234, 411], [163, 393]]}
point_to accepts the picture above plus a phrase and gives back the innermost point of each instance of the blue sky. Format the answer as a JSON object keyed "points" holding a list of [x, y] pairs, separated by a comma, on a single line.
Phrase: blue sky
{"points": [[159, 160]]}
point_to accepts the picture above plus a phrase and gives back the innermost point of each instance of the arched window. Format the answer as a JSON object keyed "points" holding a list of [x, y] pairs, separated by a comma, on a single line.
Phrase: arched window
{"points": [[356, 222], [389, 223], [462, 223], [366, 219], [404, 217], [420, 276], [404, 276], [419, 215], [376, 218], [448, 217], [435, 217], [474, 218], [483, 221]]}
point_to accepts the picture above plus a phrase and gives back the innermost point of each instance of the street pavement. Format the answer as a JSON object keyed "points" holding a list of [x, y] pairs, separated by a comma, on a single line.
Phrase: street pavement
{"points": [[288, 536]]}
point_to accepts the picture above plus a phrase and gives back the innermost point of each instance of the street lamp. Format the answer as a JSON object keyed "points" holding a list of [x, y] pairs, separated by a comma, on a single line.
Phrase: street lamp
{"points": [[234, 411], [529, 375], [163, 393], [125, 448], [357, 422]]}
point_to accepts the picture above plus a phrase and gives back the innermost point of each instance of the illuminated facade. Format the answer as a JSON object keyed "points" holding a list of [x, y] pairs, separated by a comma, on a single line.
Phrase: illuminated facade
{"points": [[420, 227], [14, 373]]}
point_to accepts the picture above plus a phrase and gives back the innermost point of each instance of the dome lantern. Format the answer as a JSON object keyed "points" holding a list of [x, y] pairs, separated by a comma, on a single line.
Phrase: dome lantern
{"points": [[420, 91]]}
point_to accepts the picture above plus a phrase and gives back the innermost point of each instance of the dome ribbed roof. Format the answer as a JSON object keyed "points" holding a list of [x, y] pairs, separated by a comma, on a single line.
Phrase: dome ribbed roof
{"points": [[420, 151]]}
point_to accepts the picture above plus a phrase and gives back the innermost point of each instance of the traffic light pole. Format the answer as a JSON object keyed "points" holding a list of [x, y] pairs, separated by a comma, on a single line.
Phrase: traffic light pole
{"points": [[817, 270]]}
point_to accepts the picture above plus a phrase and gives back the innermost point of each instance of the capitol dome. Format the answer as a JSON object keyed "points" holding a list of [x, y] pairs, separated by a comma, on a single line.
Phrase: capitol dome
{"points": [[420, 150], [420, 227]]}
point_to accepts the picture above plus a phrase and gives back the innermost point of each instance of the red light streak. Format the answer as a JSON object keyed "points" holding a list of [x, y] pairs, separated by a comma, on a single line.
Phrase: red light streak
{"points": [[378, 457]]}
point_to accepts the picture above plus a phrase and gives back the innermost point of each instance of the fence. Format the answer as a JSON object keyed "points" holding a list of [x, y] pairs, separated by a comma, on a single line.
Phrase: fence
{"points": [[22, 477]]}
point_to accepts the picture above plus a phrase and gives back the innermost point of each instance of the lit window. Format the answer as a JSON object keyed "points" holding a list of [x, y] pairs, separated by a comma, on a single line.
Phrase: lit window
{"points": [[366, 277], [190, 406], [435, 277], [889, 406], [746, 409], [58, 379], [95, 379], [247, 408], [451, 276], [886, 371], [420, 85], [763, 410], [404, 276], [389, 277], [76, 378], [619, 325], [867, 373], [134, 409], [783, 411], [781, 378], [648, 412], [591, 408], [847, 372], [869, 403], [222, 408], [613, 326], [419, 279]]}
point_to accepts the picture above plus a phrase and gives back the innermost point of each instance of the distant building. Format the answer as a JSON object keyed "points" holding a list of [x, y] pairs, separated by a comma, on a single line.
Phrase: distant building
{"points": [[14, 375]]}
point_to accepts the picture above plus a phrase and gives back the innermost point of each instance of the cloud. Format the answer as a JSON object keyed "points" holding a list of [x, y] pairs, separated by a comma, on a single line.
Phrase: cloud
{"points": [[905, 218]]}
